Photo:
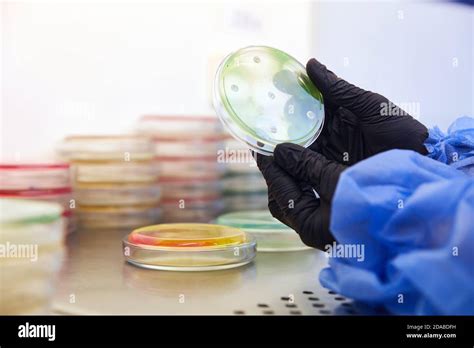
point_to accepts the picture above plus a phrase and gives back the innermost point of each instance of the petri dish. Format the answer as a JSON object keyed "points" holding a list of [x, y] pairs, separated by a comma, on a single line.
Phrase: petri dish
{"points": [[239, 160], [116, 172], [18, 211], [61, 196], [203, 209], [271, 234], [184, 168], [97, 148], [117, 195], [188, 147], [189, 247], [176, 188], [28, 287], [28, 275], [264, 97], [108, 217], [245, 202], [34, 176], [245, 183]]}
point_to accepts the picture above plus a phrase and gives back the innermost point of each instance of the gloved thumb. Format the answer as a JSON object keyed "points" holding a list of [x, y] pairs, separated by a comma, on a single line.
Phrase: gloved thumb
{"points": [[309, 166]]}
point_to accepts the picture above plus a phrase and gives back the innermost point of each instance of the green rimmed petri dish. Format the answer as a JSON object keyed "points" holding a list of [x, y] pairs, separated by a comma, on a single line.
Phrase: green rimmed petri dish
{"points": [[271, 234], [264, 97]]}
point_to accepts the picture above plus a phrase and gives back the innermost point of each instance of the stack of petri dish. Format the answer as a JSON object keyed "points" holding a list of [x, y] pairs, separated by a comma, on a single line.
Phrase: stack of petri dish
{"points": [[114, 180], [271, 234], [186, 151], [244, 185], [189, 247], [49, 182], [31, 254]]}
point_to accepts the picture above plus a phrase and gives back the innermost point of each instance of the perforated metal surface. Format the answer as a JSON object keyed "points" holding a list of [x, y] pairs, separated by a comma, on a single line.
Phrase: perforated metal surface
{"points": [[307, 302], [96, 280]]}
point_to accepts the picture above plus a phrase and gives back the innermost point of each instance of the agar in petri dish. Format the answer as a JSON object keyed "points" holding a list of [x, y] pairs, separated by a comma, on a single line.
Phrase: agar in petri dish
{"points": [[264, 97], [261, 219], [18, 211], [189, 247], [187, 235]]}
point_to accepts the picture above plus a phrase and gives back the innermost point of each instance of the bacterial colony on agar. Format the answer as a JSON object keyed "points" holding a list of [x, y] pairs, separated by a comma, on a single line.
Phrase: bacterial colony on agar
{"points": [[264, 97]]}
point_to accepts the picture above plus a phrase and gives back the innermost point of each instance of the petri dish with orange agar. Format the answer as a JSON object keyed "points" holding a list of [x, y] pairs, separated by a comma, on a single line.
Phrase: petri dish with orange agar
{"points": [[189, 247]]}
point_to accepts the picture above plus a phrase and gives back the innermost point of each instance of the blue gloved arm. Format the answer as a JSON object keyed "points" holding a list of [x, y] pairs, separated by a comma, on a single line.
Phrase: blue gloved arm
{"points": [[414, 217]]}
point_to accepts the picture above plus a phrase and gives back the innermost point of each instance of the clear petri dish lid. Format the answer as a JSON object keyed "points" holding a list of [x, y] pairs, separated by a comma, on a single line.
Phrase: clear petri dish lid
{"points": [[252, 220], [264, 97], [17, 211], [187, 235]]}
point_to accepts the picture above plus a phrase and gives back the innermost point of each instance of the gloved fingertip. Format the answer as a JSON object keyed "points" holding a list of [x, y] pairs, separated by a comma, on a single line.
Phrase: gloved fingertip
{"points": [[313, 63], [287, 153], [317, 73]]}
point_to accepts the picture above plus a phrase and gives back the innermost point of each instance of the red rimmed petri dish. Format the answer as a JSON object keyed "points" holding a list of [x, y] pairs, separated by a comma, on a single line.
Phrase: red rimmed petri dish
{"points": [[34, 176]]}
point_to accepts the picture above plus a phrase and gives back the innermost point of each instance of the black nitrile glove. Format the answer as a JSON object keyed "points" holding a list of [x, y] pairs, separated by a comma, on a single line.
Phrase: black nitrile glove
{"points": [[358, 124]]}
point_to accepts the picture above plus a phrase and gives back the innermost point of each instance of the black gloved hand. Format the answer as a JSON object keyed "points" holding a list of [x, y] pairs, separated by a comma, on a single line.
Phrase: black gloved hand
{"points": [[358, 124]]}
